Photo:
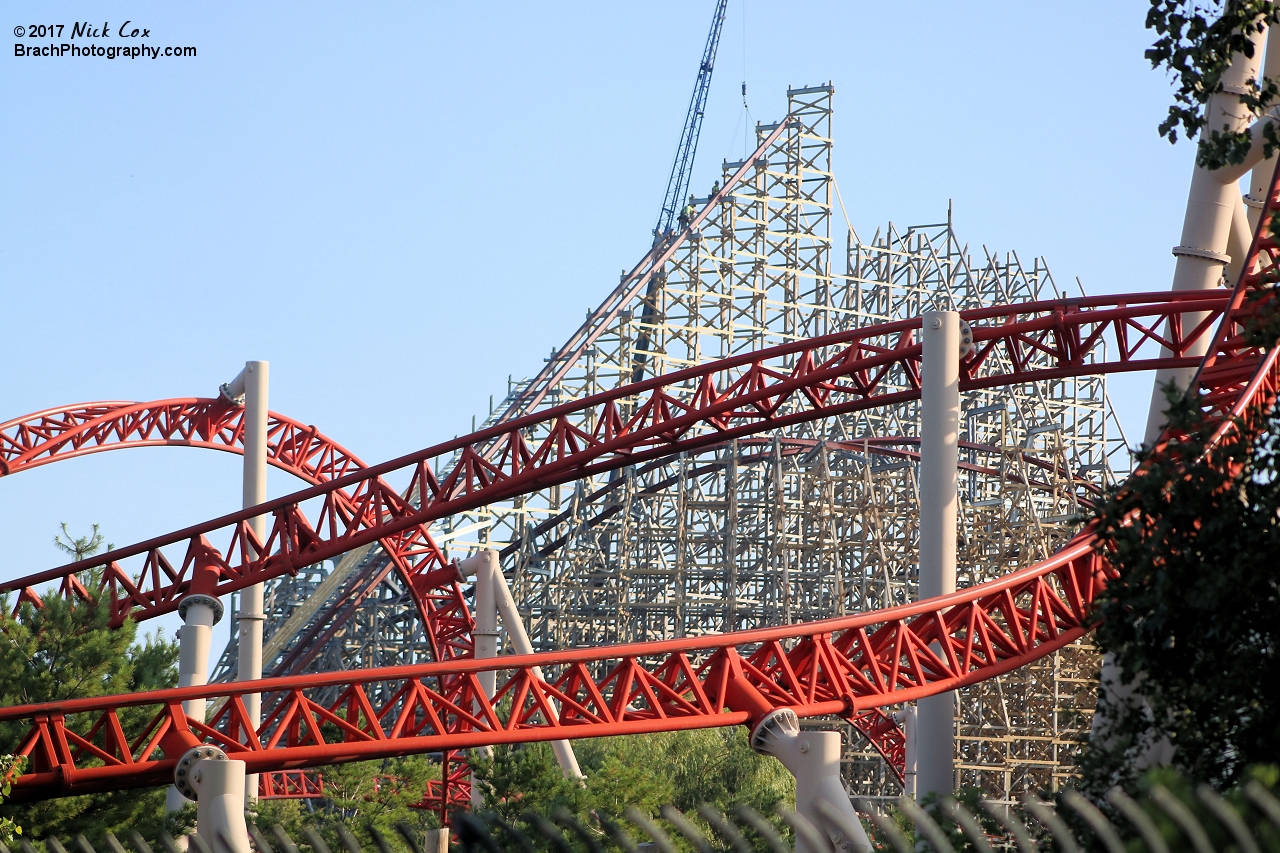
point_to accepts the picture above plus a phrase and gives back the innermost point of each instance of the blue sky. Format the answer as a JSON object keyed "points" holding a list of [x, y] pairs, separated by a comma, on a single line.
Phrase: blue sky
{"points": [[400, 204]]}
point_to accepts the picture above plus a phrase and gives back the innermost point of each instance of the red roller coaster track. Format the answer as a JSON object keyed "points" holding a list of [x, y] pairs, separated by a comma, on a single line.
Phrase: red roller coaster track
{"points": [[838, 666], [215, 424], [72, 431], [688, 410]]}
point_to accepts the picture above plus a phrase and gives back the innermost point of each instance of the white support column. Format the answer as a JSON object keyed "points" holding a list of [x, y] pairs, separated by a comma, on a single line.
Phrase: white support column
{"points": [[906, 718], [217, 785], [492, 586], [1206, 226], [1211, 229], [1260, 180], [814, 759], [251, 386], [939, 505], [485, 637], [199, 614]]}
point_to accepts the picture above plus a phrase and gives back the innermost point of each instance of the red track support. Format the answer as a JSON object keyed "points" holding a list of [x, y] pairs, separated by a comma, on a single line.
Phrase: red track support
{"points": [[290, 785], [688, 410], [211, 424], [73, 431], [839, 666]]}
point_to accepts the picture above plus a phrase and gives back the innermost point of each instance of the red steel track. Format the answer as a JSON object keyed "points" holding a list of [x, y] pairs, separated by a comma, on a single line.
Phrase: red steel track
{"points": [[214, 424], [72, 431], [300, 784], [840, 666], [687, 410]]}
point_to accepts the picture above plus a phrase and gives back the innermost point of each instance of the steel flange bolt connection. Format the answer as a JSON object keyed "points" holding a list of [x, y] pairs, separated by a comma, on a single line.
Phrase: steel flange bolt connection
{"points": [[966, 336], [185, 774], [201, 598], [966, 340], [782, 723]]}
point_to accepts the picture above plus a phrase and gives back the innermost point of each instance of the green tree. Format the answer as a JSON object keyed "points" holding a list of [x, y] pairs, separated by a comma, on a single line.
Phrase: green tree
{"points": [[1195, 42], [687, 769], [517, 778], [64, 649], [1193, 620], [364, 797], [10, 766]]}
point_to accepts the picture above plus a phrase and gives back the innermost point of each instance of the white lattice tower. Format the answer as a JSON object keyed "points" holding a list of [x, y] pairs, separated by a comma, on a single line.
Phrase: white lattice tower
{"points": [[813, 521]]}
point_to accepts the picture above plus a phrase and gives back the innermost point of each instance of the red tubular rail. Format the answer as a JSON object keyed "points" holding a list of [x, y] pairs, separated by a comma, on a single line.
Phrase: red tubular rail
{"points": [[69, 432], [836, 666], [687, 410]]}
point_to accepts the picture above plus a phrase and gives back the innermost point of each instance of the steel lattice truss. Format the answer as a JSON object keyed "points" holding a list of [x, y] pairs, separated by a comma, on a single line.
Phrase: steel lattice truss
{"points": [[813, 522], [817, 520], [843, 666], [301, 450]]}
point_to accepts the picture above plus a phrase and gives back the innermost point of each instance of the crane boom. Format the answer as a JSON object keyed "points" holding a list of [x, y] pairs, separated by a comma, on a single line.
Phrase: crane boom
{"points": [[678, 183]]}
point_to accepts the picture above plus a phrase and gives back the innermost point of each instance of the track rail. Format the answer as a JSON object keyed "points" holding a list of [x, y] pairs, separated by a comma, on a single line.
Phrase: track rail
{"points": [[70, 432], [210, 424], [837, 666], [214, 424], [687, 410], [73, 431]]}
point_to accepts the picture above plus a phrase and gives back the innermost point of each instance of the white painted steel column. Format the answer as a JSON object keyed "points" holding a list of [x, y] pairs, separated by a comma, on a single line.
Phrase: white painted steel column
{"points": [[251, 384], [485, 637], [199, 614], [1260, 180], [939, 505], [488, 566], [520, 644], [1211, 228], [906, 718], [813, 757], [220, 788], [1206, 226]]}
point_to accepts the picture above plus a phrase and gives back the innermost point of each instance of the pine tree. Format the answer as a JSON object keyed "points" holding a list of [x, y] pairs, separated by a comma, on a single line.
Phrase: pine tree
{"points": [[65, 649]]}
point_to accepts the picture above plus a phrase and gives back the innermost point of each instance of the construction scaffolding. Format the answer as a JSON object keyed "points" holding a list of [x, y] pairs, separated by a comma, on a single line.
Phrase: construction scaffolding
{"points": [[811, 522]]}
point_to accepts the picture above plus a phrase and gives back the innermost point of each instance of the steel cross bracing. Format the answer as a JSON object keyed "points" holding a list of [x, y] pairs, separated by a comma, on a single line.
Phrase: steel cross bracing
{"points": [[647, 553], [734, 397], [376, 621], [72, 431], [388, 632], [214, 424], [837, 666], [46, 436], [750, 536], [794, 177], [687, 410]]}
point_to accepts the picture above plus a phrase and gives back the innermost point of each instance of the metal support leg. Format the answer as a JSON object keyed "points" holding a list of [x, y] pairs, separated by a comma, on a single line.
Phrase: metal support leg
{"points": [[907, 719], [217, 785], [486, 640], [492, 586], [1206, 226], [199, 614], [814, 759], [939, 503], [251, 385]]}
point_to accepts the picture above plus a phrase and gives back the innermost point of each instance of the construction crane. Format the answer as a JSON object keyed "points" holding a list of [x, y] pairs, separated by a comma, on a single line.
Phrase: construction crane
{"points": [[678, 183]]}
